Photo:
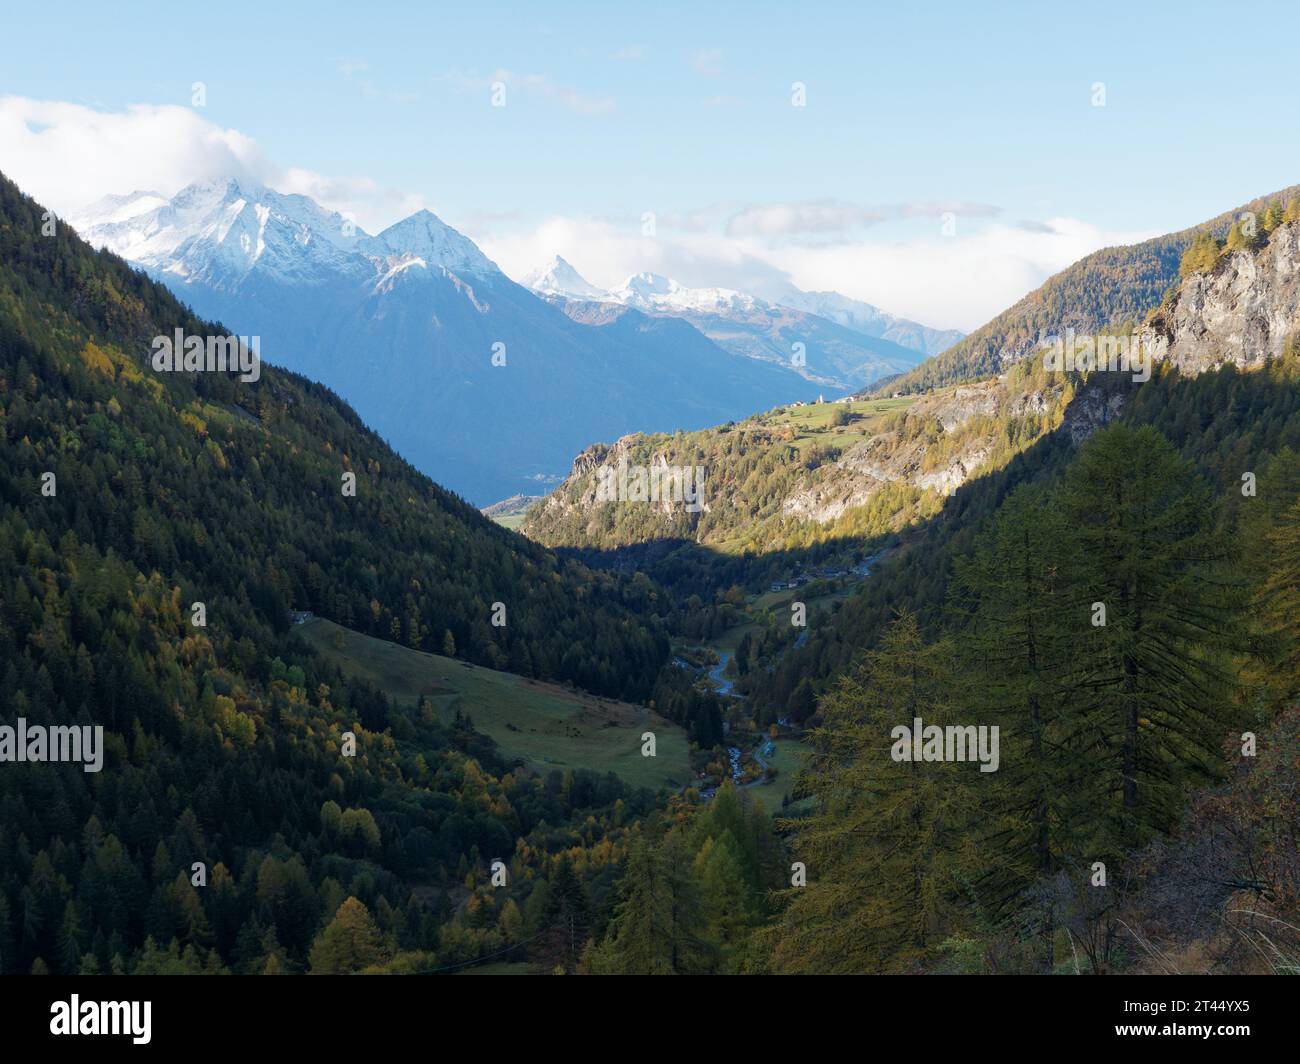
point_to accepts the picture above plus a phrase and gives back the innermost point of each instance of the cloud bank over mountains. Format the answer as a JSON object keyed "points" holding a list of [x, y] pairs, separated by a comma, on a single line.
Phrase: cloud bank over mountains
{"points": [[951, 264], [47, 145]]}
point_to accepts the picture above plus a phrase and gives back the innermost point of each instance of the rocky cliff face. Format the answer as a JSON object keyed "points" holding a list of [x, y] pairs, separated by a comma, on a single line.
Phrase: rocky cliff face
{"points": [[1242, 312], [967, 425]]}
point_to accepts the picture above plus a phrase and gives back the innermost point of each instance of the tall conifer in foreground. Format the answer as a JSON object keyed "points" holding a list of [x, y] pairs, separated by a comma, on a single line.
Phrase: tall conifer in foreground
{"points": [[1278, 603], [881, 847], [1157, 687], [1022, 628]]}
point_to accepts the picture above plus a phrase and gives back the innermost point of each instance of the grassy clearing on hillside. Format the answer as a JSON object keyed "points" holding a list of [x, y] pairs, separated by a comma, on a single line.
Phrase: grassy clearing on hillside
{"points": [[813, 422], [541, 723], [788, 760]]}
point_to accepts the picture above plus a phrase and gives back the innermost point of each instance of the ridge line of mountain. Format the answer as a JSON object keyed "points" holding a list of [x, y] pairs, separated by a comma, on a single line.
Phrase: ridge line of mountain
{"points": [[1111, 288]]}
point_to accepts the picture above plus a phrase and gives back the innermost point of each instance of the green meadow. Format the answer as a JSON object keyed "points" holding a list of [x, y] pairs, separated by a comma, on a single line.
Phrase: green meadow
{"points": [[545, 725], [788, 760]]}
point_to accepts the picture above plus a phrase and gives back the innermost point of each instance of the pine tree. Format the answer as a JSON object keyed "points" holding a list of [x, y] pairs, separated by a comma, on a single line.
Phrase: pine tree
{"points": [[721, 875], [659, 921], [1278, 604], [641, 933], [1156, 687], [881, 848], [70, 940], [691, 953], [566, 922], [511, 921], [350, 943], [1018, 598], [194, 927], [731, 813], [1201, 256]]}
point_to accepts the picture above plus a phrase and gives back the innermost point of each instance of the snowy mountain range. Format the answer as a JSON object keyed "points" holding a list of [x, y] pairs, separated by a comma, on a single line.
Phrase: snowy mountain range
{"points": [[656, 294], [846, 348], [871, 321], [220, 233], [488, 386]]}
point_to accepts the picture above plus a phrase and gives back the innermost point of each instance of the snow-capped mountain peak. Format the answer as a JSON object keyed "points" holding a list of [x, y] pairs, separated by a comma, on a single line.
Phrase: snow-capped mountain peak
{"points": [[400, 324], [559, 278], [220, 230], [224, 230], [425, 236], [653, 291], [645, 291], [650, 285], [870, 320], [111, 210]]}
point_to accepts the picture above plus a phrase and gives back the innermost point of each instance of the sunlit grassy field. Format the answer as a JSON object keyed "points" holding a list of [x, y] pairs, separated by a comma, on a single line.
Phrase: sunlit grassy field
{"points": [[541, 723]]}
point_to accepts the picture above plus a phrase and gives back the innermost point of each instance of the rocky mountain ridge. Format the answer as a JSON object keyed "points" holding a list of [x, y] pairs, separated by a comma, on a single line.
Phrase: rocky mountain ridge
{"points": [[1243, 311]]}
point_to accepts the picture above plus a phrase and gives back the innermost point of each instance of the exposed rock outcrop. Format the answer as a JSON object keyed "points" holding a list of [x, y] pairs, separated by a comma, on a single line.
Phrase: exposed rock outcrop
{"points": [[1242, 312]]}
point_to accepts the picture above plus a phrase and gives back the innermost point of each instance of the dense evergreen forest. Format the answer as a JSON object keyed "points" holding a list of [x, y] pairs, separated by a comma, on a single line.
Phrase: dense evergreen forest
{"points": [[1225, 423], [235, 827], [1126, 614], [242, 483], [1128, 637], [224, 740]]}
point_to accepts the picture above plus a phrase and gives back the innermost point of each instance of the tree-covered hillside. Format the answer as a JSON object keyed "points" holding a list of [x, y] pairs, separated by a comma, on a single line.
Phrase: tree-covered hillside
{"points": [[1103, 290], [785, 490], [232, 818], [260, 810], [237, 489]]}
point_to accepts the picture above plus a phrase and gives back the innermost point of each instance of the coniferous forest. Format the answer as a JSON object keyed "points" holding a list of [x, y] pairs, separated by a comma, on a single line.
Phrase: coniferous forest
{"points": [[222, 741], [969, 654]]}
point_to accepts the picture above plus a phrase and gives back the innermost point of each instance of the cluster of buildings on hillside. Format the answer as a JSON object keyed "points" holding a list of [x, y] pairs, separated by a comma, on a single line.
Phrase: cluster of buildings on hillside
{"points": [[862, 568], [821, 399], [814, 574]]}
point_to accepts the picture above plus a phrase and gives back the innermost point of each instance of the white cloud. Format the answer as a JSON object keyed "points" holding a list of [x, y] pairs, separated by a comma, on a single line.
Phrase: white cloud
{"points": [[775, 219], [947, 282], [835, 217], [67, 156]]}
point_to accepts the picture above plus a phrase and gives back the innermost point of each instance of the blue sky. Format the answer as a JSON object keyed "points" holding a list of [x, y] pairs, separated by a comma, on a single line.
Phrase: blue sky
{"points": [[685, 111]]}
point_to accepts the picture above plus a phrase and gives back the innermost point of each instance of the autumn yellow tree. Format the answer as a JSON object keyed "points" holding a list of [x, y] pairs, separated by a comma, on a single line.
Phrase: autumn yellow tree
{"points": [[351, 942]]}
